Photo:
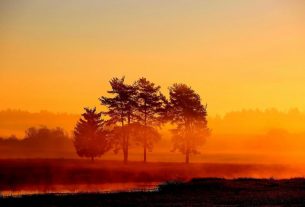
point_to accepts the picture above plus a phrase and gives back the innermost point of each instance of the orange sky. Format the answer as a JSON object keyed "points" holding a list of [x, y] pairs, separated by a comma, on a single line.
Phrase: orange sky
{"points": [[59, 55]]}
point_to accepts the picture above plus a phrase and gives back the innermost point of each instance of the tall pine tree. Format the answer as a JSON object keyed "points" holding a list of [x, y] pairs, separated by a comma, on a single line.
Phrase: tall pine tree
{"points": [[150, 106], [121, 107], [189, 116]]}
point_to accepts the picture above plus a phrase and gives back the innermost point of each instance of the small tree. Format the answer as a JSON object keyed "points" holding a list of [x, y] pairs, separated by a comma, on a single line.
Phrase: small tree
{"points": [[189, 116], [90, 139], [150, 105], [121, 109]]}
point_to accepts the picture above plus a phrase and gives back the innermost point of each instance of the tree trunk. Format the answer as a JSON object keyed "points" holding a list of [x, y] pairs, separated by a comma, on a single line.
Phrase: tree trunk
{"points": [[187, 153], [127, 145], [125, 149], [145, 138], [125, 157], [145, 150], [126, 142], [187, 157]]}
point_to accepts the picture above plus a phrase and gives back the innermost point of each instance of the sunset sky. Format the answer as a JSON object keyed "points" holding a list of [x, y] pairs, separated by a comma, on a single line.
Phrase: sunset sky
{"points": [[59, 55]]}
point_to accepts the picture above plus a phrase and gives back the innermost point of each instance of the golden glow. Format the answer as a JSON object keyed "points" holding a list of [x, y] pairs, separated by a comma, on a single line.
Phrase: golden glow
{"points": [[59, 56]]}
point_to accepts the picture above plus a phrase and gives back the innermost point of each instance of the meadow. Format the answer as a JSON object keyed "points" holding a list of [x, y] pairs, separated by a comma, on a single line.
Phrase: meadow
{"points": [[26, 176]]}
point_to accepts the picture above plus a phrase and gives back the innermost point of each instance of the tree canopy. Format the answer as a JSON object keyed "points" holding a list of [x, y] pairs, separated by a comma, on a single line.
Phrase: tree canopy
{"points": [[150, 106], [134, 112], [121, 111], [90, 139], [189, 116]]}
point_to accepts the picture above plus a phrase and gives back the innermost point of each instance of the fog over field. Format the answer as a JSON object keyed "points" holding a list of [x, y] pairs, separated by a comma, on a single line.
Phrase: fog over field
{"points": [[269, 136]]}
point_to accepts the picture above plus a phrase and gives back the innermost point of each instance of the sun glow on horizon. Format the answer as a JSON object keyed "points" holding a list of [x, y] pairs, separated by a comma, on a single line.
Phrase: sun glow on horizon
{"points": [[59, 56], [245, 59]]}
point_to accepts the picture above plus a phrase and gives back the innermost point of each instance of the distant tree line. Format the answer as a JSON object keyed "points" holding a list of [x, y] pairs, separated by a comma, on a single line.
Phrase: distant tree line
{"points": [[37, 142], [134, 113]]}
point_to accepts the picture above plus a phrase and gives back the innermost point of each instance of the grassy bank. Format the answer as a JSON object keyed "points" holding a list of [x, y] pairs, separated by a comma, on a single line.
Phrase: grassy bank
{"points": [[198, 192]]}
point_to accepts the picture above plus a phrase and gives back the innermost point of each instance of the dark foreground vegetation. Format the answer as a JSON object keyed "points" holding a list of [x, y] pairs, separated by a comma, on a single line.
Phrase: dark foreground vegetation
{"points": [[197, 192]]}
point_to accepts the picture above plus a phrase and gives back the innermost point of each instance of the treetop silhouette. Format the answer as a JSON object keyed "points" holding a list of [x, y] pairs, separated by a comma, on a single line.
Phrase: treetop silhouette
{"points": [[134, 112], [189, 116], [121, 107], [150, 107], [90, 139]]}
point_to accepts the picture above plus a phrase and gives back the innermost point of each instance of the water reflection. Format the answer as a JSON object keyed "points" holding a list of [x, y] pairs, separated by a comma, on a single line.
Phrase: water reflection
{"points": [[82, 188]]}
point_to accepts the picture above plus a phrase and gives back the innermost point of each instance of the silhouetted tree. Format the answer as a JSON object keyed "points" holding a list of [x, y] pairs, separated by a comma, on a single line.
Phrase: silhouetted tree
{"points": [[121, 109], [150, 106], [189, 116], [90, 139]]}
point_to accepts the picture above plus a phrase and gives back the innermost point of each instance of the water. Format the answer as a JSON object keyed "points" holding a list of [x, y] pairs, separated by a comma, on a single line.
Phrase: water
{"points": [[82, 188]]}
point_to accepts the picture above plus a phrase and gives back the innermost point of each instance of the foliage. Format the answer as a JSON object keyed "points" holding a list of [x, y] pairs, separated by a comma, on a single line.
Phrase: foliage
{"points": [[150, 108], [135, 110], [121, 109], [189, 116], [40, 135], [150, 102], [90, 139], [145, 136], [121, 106]]}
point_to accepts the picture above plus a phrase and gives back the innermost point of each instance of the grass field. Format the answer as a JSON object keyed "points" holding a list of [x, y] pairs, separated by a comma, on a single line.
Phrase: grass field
{"points": [[44, 174], [62, 182]]}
